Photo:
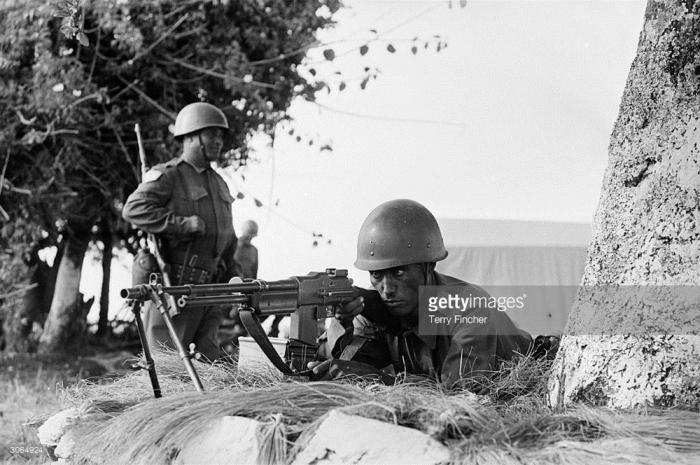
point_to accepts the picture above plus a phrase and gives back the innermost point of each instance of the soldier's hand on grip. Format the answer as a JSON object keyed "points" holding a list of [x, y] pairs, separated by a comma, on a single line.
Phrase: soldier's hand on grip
{"points": [[346, 312], [194, 225]]}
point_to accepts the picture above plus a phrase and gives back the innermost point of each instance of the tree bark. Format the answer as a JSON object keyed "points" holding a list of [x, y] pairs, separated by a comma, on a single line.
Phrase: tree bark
{"points": [[632, 337], [103, 323], [67, 309]]}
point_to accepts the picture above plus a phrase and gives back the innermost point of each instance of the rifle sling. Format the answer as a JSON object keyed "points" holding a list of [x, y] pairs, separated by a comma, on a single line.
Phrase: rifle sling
{"points": [[256, 331]]}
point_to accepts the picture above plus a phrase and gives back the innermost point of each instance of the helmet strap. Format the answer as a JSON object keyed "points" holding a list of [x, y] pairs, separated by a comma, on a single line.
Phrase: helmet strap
{"points": [[428, 273], [202, 147]]}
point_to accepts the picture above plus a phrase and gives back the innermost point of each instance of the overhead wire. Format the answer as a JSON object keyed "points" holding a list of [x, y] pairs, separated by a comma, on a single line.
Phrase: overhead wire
{"points": [[268, 206], [389, 118]]}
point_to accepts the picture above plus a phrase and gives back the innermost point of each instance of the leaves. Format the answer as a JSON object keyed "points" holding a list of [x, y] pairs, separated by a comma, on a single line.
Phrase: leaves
{"points": [[391, 48], [83, 39], [364, 49], [84, 72], [71, 24], [329, 54], [33, 137], [341, 86]]}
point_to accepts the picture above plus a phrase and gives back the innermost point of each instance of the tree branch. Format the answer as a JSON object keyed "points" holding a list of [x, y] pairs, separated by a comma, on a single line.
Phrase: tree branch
{"points": [[123, 147], [18, 291], [148, 99], [160, 39], [218, 74]]}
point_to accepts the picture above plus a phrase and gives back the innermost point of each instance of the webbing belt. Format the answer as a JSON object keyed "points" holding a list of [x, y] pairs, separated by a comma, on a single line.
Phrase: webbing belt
{"points": [[256, 331]]}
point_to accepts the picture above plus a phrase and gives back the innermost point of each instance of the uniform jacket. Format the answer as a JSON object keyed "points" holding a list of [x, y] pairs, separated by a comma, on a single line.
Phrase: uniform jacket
{"points": [[462, 352], [172, 191], [247, 258]]}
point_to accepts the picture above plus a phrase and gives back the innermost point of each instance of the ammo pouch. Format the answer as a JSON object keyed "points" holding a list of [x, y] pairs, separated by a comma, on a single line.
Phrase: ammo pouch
{"points": [[144, 264]]}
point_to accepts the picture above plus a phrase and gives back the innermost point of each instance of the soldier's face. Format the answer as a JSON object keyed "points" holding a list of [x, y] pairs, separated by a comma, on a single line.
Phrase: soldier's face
{"points": [[398, 288], [213, 141]]}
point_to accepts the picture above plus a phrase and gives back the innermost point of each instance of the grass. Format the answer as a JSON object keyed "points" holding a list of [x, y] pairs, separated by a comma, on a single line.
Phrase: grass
{"points": [[509, 423], [24, 398], [33, 388]]}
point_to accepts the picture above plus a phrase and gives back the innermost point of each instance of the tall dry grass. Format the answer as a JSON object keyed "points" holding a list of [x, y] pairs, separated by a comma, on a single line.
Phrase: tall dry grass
{"points": [[509, 422]]}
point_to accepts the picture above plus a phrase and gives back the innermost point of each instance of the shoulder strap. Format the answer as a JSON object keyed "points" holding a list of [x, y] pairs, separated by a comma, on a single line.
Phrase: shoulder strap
{"points": [[256, 331], [351, 349]]}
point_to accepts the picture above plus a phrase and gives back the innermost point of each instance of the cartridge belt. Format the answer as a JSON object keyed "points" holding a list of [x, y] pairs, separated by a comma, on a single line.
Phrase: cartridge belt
{"points": [[190, 274]]}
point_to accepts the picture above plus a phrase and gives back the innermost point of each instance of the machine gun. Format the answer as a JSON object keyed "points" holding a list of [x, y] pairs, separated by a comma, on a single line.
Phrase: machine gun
{"points": [[306, 298]]}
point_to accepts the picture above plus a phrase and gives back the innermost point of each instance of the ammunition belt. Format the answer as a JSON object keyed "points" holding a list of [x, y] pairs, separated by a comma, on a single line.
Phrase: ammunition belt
{"points": [[190, 275]]}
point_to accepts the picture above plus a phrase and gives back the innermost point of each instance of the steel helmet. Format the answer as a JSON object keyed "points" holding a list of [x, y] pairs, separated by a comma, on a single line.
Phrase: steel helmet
{"points": [[396, 233], [249, 228], [197, 116]]}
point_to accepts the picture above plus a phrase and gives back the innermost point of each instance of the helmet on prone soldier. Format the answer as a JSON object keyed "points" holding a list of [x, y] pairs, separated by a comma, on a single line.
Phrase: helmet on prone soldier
{"points": [[397, 233], [197, 116]]}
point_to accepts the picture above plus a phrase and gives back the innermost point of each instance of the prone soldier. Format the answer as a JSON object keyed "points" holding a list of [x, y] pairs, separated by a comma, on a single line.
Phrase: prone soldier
{"points": [[398, 244]]}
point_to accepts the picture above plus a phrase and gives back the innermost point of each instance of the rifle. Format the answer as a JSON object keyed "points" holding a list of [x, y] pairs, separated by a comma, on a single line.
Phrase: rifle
{"points": [[306, 298], [151, 238], [164, 303]]}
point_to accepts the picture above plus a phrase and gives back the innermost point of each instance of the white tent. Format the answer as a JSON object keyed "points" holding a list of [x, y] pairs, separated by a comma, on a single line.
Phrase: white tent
{"points": [[542, 260]]}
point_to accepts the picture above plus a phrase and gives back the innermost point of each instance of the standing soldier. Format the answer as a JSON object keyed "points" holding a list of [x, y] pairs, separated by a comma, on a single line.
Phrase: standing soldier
{"points": [[188, 205]]}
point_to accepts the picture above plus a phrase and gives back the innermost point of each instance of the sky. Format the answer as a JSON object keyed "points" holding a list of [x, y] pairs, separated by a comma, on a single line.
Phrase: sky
{"points": [[511, 121]]}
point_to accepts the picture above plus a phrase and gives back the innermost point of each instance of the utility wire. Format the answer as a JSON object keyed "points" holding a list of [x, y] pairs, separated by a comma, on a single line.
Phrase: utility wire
{"points": [[390, 118], [269, 208]]}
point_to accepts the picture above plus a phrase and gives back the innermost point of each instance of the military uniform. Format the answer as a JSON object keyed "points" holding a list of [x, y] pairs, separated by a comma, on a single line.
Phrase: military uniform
{"points": [[247, 257], [169, 194], [466, 353]]}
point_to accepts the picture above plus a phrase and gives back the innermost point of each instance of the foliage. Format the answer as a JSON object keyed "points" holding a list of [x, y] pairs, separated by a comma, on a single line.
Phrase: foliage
{"points": [[17, 239], [69, 108]]}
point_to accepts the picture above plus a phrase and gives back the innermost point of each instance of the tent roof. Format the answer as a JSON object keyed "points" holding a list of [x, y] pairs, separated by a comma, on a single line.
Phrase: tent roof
{"points": [[488, 233]]}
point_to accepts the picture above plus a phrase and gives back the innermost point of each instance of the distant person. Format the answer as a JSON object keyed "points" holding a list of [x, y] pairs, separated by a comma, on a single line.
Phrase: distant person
{"points": [[246, 256], [246, 253]]}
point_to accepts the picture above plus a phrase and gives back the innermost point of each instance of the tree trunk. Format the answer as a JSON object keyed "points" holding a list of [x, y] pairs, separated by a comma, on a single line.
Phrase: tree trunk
{"points": [[25, 308], [638, 344], [26, 276], [16, 327], [67, 309], [103, 323]]}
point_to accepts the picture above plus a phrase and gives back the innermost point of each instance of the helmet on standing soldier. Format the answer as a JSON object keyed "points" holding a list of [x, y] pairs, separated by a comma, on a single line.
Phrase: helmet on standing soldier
{"points": [[197, 116]]}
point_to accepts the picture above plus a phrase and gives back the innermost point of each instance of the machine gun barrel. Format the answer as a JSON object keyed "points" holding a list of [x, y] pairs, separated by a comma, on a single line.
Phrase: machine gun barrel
{"points": [[142, 292]]}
